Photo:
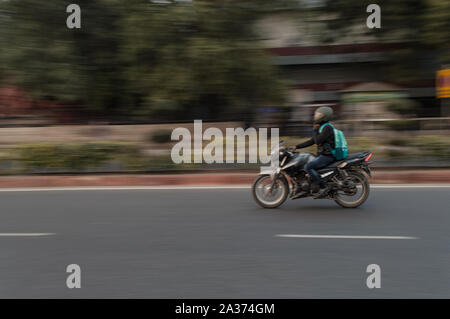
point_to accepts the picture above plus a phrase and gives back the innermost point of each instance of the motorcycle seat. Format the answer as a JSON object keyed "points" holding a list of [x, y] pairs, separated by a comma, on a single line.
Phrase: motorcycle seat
{"points": [[349, 157]]}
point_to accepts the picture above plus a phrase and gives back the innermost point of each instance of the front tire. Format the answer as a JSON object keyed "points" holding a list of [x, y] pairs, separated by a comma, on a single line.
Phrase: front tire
{"points": [[262, 195], [360, 180]]}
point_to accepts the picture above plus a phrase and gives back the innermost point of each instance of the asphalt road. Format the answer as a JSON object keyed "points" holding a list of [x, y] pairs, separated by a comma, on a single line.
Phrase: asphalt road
{"points": [[216, 243]]}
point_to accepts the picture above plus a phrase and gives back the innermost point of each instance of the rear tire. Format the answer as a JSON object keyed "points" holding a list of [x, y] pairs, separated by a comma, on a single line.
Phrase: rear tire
{"points": [[365, 191], [261, 182]]}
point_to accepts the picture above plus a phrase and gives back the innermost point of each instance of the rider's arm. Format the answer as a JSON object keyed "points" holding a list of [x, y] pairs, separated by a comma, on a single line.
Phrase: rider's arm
{"points": [[305, 144]]}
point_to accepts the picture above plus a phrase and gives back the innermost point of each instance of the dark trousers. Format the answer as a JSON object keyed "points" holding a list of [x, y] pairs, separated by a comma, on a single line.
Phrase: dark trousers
{"points": [[317, 163]]}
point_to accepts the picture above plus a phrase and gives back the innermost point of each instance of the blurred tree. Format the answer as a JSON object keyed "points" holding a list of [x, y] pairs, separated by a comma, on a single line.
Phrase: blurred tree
{"points": [[53, 62], [437, 27], [197, 60], [136, 58], [404, 107]]}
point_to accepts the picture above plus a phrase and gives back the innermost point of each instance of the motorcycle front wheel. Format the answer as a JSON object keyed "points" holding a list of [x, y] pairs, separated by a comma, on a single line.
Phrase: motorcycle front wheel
{"points": [[270, 198]]}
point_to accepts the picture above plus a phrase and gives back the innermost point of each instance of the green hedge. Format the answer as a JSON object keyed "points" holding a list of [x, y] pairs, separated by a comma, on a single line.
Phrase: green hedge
{"points": [[119, 156], [74, 156], [433, 146]]}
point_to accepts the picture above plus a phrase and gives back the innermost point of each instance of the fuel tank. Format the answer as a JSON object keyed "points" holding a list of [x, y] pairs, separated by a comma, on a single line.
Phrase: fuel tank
{"points": [[299, 160]]}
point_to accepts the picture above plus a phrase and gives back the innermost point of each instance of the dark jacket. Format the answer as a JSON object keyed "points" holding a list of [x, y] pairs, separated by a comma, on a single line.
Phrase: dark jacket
{"points": [[324, 141]]}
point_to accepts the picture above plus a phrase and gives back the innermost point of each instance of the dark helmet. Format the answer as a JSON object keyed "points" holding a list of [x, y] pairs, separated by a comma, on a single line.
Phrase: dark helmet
{"points": [[323, 114]]}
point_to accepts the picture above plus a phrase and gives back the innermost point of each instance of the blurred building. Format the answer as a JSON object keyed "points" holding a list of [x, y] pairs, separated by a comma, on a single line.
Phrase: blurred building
{"points": [[322, 74]]}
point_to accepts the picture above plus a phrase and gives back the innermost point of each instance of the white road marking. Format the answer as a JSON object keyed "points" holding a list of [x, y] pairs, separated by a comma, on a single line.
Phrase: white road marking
{"points": [[344, 236], [386, 186], [25, 234], [180, 187]]}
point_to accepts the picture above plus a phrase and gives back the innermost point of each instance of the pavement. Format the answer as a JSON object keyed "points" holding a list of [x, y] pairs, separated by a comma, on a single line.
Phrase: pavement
{"points": [[380, 176], [217, 243]]}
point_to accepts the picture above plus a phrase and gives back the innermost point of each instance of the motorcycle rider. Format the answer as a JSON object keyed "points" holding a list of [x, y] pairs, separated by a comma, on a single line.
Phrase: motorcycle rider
{"points": [[324, 140]]}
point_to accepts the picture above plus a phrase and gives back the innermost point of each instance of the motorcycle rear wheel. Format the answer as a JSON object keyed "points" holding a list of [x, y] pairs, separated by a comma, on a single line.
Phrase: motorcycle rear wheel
{"points": [[361, 181]]}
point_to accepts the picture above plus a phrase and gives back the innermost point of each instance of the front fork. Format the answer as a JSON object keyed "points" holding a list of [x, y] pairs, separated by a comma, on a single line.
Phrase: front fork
{"points": [[274, 176]]}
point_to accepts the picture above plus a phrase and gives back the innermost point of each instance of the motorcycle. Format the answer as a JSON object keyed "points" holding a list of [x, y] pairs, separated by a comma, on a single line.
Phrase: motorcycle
{"points": [[347, 178]]}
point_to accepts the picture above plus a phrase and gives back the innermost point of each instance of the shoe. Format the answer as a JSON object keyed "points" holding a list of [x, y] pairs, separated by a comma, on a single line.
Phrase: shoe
{"points": [[323, 192]]}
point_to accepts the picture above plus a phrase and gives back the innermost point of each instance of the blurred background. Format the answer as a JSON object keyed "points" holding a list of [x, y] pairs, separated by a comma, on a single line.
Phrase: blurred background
{"points": [[105, 97]]}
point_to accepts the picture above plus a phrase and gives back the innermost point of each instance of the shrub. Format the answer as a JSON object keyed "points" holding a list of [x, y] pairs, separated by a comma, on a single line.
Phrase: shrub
{"points": [[403, 106], [394, 153], [433, 146], [403, 125], [360, 144], [161, 136], [73, 156], [399, 142]]}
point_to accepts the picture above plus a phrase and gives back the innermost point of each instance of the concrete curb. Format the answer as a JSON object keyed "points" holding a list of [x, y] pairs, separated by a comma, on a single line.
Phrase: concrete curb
{"points": [[379, 177]]}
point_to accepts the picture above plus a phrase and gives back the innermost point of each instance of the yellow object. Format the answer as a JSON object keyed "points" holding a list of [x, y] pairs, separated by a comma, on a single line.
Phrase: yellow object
{"points": [[443, 84]]}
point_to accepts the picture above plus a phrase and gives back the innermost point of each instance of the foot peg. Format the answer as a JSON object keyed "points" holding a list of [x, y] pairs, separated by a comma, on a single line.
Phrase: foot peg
{"points": [[322, 193], [299, 194]]}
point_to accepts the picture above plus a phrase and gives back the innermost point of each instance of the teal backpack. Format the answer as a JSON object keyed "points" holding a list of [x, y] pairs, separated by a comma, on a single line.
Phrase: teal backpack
{"points": [[340, 143]]}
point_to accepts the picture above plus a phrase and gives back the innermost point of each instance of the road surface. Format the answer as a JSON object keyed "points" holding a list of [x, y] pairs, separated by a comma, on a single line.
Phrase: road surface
{"points": [[216, 243]]}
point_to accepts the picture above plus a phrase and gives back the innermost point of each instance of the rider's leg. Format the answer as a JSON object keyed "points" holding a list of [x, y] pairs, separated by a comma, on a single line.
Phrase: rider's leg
{"points": [[310, 169], [317, 163]]}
